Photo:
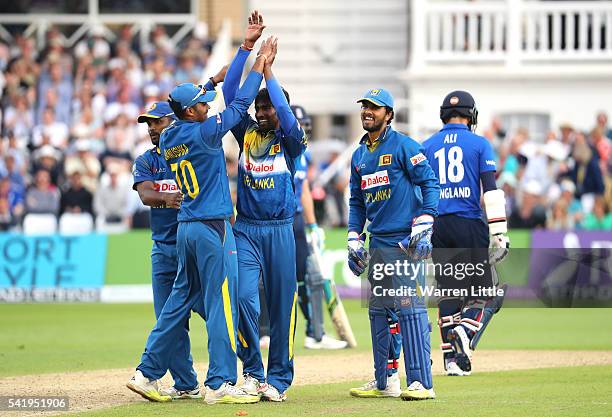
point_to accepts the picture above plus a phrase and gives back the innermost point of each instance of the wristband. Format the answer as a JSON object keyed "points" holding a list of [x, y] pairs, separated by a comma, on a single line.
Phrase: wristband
{"points": [[311, 226], [212, 80], [265, 57]]}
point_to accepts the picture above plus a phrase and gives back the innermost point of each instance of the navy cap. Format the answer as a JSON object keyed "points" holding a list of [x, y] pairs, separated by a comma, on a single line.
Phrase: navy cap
{"points": [[189, 94], [157, 111], [379, 97], [300, 113]]}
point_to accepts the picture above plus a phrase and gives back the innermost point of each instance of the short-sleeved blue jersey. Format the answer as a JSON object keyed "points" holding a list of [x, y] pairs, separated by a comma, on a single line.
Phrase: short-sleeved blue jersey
{"points": [[301, 172], [391, 183], [458, 157], [194, 154], [151, 166]]}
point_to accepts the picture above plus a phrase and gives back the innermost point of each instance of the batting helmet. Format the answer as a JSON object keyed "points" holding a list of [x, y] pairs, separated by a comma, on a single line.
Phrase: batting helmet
{"points": [[303, 118], [459, 103]]}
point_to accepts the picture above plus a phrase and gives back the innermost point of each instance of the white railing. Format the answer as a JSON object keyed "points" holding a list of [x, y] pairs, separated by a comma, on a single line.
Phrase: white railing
{"points": [[510, 31]]}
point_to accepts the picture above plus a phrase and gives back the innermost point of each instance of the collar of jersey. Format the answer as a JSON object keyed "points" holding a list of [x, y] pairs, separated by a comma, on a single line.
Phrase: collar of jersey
{"points": [[385, 135], [455, 126]]}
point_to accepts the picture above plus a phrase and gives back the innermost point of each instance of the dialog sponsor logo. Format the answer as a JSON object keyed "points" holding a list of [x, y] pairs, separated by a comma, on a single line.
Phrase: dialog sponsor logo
{"points": [[166, 186], [417, 158], [259, 167], [375, 180]]}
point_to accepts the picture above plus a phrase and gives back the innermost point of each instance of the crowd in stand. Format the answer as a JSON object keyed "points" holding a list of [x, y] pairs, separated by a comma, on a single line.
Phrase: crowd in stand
{"points": [[68, 119], [68, 137], [563, 183]]}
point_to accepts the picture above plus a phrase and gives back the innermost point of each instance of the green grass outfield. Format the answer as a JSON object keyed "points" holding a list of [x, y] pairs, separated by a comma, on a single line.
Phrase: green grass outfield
{"points": [[585, 391], [44, 338], [129, 257]]}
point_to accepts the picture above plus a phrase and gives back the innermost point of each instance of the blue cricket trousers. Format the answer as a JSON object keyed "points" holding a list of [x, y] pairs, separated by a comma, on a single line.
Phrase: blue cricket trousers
{"points": [[207, 280], [164, 264], [267, 248]]}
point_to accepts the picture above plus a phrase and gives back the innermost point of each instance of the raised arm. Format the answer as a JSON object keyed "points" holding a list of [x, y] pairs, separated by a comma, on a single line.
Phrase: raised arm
{"points": [[234, 73], [294, 138], [238, 108]]}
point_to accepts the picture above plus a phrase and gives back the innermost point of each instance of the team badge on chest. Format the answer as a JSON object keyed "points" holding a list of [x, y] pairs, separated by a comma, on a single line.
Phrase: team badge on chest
{"points": [[384, 160]]}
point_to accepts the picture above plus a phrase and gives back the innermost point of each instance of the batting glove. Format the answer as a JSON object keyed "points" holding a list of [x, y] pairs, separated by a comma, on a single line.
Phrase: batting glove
{"points": [[358, 256], [418, 244], [315, 236], [499, 248]]}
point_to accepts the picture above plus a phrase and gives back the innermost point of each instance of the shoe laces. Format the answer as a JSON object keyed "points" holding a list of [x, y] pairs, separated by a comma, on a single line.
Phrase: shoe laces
{"points": [[370, 385], [234, 390], [416, 386]]}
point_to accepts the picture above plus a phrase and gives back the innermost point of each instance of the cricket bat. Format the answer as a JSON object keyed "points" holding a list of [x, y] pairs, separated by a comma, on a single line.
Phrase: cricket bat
{"points": [[335, 307]]}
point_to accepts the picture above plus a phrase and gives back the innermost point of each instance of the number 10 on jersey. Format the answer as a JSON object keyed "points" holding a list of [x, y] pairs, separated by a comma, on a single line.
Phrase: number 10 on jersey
{"points": [[185, 166]]}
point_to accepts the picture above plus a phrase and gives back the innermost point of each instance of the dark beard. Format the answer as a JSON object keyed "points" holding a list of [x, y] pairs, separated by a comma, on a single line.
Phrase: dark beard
{"points": [[374, 128]]}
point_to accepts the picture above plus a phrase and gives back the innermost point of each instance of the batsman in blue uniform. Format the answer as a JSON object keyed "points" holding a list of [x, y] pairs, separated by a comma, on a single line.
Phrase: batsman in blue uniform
{"points": [[394, 188], [207, 268], [463, 161], [266, 206]]}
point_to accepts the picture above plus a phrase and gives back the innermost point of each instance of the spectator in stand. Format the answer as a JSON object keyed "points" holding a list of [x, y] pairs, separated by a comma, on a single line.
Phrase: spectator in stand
{"points": [[507, 183], [188, 70], [600, 218], [602, 122], [58, 82], [55, 131], [586, 173], [81, 159], [86, 125], [76, 198], [6, 220], [117, 151], [14, 198], [95, 45], [602, 147], [510, 156], [48, 158], [159, 75], [19, 117], [531, 213], [14, 173], [567, 135], [111, 199], [43, 197], [123, 105], [559, 217], [21, 79]]}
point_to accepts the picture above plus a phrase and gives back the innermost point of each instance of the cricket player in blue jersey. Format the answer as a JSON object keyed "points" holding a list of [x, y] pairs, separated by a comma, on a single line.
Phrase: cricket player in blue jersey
{"points": [[207, 267], [156, 187], [266, 206], [463, 161], [309, 237], [392, 186]]}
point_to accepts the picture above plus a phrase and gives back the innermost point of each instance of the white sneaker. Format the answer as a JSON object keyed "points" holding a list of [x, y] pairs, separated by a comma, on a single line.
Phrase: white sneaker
{"points": [[229, 394], [452, 369], [460, 341], [181, 395], [251, 385], [416, 391], [148, 389], [326, 342], [269, 393], [264, 342], [369, 389]]}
